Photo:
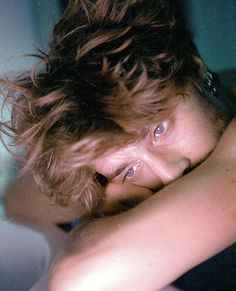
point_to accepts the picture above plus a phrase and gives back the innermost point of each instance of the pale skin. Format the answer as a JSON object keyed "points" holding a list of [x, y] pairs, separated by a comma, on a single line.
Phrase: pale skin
{"points": [[149, 246]]}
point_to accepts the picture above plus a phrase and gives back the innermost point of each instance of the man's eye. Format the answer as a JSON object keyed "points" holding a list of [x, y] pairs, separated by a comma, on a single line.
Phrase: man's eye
{"points": [[131, 171], [161, 129]]}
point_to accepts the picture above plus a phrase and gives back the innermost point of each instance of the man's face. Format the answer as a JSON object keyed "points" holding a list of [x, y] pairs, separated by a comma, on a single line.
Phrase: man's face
{"points": [[170, 149]]}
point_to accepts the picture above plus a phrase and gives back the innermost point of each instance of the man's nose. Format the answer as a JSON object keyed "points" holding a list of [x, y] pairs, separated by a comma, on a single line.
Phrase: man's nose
{"points": [[167, 165]]}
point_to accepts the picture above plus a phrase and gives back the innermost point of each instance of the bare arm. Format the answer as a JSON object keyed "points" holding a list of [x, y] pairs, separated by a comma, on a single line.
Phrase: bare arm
{"points": [[151, 245], [24, 201]]}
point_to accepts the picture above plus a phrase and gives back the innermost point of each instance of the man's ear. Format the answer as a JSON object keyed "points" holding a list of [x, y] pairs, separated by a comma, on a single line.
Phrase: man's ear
{"points": [[202, 67]]}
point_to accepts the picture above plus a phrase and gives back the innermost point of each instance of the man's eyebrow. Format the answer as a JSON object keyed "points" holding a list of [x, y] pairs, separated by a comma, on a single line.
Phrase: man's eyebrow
{"points": [[115, 172]]}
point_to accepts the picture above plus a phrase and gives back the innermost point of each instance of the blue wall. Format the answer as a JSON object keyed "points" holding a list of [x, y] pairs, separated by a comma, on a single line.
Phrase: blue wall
{"points": [[24, 26], [214, 28]]}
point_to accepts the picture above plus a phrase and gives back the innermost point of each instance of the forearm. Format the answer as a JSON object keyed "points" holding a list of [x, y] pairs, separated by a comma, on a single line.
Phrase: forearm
{"points": [[176, 229]]}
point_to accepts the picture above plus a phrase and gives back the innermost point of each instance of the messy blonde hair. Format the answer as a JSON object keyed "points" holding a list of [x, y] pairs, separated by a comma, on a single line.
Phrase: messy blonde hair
{"points": [[106, 77]]}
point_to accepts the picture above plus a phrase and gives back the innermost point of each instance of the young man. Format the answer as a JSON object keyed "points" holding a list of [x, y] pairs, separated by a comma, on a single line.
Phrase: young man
{"points": [[122, 106]]}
